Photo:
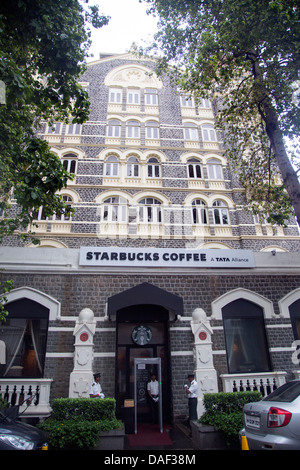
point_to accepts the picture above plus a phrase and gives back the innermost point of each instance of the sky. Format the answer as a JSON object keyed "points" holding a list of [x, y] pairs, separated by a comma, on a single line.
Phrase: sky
{"points": [[129, 23]]}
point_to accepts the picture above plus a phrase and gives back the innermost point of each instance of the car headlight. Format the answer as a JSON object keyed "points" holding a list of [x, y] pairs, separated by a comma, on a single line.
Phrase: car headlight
{"points": [[17, 442]]}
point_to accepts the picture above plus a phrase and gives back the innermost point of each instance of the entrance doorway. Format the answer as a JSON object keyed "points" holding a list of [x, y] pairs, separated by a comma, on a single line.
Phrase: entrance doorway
{"points": [[142, 333], [140, 371]]}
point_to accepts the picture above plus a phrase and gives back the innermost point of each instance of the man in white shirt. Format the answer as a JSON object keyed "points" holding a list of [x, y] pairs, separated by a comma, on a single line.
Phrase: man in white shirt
{"points": [[192, 393], [153, 392], [96, 389]]}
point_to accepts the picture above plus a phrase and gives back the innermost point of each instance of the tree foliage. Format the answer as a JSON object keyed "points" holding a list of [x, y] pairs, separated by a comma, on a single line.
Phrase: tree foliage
{"points": [[43, 49], [245, 55]]}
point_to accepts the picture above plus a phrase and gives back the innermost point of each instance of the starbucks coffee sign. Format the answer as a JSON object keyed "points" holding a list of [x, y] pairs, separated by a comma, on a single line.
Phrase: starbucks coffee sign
{"points": [[164, 257]]}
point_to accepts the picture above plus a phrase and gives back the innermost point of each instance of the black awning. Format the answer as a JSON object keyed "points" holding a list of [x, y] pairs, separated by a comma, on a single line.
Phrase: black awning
{"points": [[145, 294]]}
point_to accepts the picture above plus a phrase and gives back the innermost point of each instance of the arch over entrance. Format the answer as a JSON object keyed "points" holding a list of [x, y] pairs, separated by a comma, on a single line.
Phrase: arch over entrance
{"points": [[142, 317], [146, 294]]}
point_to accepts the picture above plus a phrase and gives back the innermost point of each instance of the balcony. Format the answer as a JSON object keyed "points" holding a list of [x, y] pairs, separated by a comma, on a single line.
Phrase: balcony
{"points": [[19, 391], [264, 382]]}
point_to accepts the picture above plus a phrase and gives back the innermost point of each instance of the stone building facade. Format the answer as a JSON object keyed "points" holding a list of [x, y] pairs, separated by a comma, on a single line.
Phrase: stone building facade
{"points": [[160, 244]]}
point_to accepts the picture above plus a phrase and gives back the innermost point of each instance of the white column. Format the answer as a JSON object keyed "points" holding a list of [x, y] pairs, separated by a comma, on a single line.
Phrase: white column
{"points": [[205, 373], [82, 375]]}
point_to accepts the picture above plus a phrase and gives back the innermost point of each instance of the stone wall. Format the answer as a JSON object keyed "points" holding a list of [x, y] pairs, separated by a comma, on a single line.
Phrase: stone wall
{"points": [[78, 291]]}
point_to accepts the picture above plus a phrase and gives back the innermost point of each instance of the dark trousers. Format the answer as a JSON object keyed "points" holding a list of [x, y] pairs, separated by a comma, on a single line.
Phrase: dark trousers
{"points": [[193, 409], [154, 410]]}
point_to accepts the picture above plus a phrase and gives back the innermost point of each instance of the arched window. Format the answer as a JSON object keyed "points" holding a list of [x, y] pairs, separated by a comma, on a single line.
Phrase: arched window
{"points": [[214, 169], [133, 129], [114, 209], [208, 133], [25, 336], [153, 168], [199, 212], [113, 128], [39, 214], [68, 201], [70, 163], [190, 131], [112, 166], [220, 213], [133, 168], [294, 310], [245, 337], [194, 168], [152, 130], [150, 210]]}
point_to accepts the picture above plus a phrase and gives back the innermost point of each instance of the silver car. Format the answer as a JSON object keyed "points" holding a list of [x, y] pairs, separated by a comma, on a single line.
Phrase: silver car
{"points": [[274, 422]]}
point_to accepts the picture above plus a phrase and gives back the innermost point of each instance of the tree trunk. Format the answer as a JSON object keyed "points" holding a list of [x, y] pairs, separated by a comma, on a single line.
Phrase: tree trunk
{"points": [[270, 117], [286, 169]]}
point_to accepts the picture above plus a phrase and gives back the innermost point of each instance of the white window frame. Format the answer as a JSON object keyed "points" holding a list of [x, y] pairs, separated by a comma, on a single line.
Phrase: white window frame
{"points": [[133, 129], [55, 128], [113, 128], [150, 211], [74, 128], [69, 163], [68, 200], [152, 130], [203, 103], [208, 133], [153, 168], [214, 170], [187, 101], [111, 166], [41, 213], [190, 132], [133, 167], [220, 213], [151, 97], [194, 169], [133, 96], [115, 95], [199, 212], [115, 209]]}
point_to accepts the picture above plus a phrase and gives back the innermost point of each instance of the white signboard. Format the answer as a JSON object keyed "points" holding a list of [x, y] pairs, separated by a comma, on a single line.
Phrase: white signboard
{"points": [[165, 257]]}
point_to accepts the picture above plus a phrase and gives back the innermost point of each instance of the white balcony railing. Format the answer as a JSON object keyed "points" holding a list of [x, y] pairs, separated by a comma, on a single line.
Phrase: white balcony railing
{"points": [[264, 382], [18, 391]]}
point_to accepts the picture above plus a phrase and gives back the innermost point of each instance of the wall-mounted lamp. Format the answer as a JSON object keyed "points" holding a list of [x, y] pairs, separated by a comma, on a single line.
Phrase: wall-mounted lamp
{"points": [[273, 252]]}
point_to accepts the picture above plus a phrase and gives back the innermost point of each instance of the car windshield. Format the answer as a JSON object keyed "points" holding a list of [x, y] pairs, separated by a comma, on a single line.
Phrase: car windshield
{"points": [[287, 392]]}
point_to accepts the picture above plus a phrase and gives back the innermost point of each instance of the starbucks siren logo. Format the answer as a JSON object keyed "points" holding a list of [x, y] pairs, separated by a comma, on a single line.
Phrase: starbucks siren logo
{"points": [[141, 335]]}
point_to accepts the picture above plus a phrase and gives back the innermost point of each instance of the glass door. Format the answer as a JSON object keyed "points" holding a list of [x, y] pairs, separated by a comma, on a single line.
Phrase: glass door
{"points": [[141, 340]]}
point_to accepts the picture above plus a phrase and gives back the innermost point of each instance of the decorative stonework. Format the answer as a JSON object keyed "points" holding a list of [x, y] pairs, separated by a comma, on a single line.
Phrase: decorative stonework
{"points": [[133, 76], [206, 375], [82, 375]]}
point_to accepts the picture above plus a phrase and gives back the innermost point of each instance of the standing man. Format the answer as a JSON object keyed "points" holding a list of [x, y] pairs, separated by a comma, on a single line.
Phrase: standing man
{"points": [[153, 392], [96, 390], [192, 393]]}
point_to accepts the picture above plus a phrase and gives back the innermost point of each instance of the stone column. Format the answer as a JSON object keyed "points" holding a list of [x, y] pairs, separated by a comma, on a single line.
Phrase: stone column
{"points": [[82, 375], [205, 373]]}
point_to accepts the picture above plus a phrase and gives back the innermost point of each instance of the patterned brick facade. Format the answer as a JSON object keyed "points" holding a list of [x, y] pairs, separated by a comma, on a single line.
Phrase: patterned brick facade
{"points": [[186, 198]]}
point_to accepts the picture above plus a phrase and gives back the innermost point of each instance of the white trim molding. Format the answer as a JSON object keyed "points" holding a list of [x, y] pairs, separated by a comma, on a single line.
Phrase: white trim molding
{"points": [[241, 293]]}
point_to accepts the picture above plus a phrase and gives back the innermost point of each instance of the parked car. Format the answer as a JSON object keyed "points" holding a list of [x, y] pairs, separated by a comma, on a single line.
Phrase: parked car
{"points": [[274, 422], [16, 435]]}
